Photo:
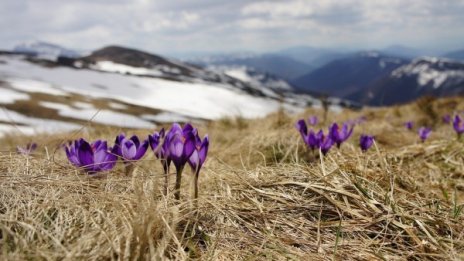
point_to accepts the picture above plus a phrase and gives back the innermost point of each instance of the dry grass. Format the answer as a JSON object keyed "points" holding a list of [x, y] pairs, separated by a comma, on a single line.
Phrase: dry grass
{"points": [[262, 197]]}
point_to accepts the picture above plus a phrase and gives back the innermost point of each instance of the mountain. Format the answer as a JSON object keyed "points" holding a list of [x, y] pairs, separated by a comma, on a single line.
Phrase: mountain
{"points": [[423, 76], [129, 61], [455, 55], [281, 66], [343, 77], [255, 78], [403, 51], [128, 88], [316, 57], [45, 50]]}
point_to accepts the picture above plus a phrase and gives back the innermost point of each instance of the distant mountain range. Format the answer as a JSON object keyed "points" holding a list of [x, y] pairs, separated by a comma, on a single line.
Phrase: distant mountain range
{"points": [[456, 55], [349, 75], [423, 76], [279, 65], [372, 78], [129, 88], [45, 50], [315, 57], [365, 77]]}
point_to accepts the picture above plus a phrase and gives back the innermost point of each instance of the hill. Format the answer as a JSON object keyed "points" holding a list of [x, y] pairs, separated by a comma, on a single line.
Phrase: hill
{"points": [[263, 195], [348, 75]]}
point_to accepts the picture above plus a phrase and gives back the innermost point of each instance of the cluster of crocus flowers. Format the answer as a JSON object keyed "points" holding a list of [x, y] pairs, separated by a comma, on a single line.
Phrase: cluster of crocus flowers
{"points": [[92, 157], [178, 146], [324, 142]]}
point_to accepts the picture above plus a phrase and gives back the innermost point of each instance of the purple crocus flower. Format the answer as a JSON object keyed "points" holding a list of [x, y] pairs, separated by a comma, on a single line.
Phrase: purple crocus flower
{"points": [[312, 140], [161, 152], [313, 120], [424, 133], [365, 142], [302, 128], [326, 144], [28, 150], [93, 158], [129, 150], [154, 141], [198, 157], [458, 125], [340, 136], [409, 125], [446, 119], [180, 144]]}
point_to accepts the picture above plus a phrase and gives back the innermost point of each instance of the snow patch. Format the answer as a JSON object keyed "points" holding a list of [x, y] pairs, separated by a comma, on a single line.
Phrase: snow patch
{"points": [[197, 100], [8, 96], [30, 126], [100, 116], [29, 85], [165, 117], [433, 71], [109, 66]]}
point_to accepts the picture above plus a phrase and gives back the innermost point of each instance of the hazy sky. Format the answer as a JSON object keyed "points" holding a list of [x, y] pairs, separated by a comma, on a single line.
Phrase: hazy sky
{"points": [[169, 26]]}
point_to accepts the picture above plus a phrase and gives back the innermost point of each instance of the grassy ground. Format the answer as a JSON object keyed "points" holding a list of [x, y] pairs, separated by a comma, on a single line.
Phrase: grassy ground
{"points": [[262, 196]]}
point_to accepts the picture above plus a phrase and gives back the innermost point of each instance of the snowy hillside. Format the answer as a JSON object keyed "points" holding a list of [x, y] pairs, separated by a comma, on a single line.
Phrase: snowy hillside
{"points": [[45, 50], [432, 71], [70, 95], [424, 76]]}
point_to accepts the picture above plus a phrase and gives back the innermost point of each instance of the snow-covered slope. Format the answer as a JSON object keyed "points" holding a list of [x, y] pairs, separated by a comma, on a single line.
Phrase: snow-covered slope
{"points": [[433, 72], [45, 50], [39, 86], [423, 76]]}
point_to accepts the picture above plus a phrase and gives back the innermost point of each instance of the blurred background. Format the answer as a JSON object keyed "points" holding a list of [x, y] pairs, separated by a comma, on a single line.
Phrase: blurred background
{"points": [[138, 64]]}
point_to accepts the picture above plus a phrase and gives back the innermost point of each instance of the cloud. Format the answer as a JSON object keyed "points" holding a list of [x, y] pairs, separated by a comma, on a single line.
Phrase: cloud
{"points": [[215, 25]]}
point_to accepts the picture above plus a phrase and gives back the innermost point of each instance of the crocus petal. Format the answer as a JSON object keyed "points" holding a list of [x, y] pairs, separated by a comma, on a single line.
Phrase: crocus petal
{"points": [[176, 147], [99, 156], [333, 132], [187, 128], [175, 128], [128, 149], [85, 154], [189, 145], [136, 140], [72, 157], [154, 140], [141, 150], [302, 128], [117, 145], [194, 160], [109, 162], [204, 150]]}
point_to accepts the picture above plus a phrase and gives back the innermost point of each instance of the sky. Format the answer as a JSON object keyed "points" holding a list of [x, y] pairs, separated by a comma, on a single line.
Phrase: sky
{"points": [[177, 26]]}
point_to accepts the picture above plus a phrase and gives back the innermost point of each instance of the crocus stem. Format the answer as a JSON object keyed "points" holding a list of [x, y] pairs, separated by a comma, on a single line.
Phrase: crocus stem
{"points": [[195, 192], [166, 177], [178, 183], [129, 169]]}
